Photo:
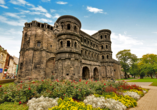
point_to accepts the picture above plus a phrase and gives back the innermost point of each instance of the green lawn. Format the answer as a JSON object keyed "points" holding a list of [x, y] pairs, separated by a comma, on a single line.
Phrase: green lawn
{"points": [[146, 79], [125, 79], [7, 84]]}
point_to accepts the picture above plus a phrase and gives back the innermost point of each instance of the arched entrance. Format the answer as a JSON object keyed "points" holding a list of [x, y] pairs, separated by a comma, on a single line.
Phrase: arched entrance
{"points": [[96, 74], [85, 73], [50, 65]]}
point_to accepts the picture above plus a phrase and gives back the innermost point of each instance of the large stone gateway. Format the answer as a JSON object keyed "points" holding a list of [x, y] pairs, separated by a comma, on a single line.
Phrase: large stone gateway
{"points": [[64, 51]]}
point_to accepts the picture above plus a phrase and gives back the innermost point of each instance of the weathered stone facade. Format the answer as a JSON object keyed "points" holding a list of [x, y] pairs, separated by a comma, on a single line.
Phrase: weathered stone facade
{"points": [[3, 55], [64, 51]]}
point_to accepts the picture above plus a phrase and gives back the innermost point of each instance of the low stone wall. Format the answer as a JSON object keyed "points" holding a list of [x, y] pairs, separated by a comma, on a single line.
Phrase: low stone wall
{"points": [[6, 81]]}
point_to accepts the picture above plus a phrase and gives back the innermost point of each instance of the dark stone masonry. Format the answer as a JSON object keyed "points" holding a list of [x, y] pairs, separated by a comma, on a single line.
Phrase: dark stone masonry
{"points": [[64, 51]]}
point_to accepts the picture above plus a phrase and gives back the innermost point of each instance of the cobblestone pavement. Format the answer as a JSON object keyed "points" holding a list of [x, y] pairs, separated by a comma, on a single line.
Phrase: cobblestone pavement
{"points": [[149, 100]]}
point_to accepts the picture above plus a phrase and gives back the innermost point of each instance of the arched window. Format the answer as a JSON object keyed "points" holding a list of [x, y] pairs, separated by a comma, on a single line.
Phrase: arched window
{"points": [[102, 47], [21, 65], [38, 44], [75, 45], [38, 24], [106, 47], [102, 57], [84, 40], [75, 28], [68, 26], [101, 37], [107, 57], [62, 27], [42, 25], [68, 43], [105, 36], [61, 44]]}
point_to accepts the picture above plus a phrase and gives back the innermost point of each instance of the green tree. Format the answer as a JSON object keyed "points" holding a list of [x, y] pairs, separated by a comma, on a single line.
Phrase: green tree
{"points": [[124, 57], [133, 65], [148, 64]]}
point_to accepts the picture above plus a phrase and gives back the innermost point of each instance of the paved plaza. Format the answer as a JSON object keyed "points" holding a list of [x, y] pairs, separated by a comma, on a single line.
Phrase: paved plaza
{"points": [[149, 100]]}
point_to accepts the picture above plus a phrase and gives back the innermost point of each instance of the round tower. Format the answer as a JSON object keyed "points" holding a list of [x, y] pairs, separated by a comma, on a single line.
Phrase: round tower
{"points": [[106, 52], [68, 53]]}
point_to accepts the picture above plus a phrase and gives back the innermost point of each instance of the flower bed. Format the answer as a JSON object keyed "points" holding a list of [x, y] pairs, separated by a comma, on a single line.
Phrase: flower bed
{"points": [[75, 94]]}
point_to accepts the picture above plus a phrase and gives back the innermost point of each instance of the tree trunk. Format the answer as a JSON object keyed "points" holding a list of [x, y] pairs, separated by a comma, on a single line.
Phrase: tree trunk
{"points": [[134, 76], [141, 77], [151, 75], [125, 75], [155, 75]]}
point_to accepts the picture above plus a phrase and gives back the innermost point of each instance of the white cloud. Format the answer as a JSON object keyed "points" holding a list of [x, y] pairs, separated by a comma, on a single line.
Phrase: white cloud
{"points": [[13, 43], [45, 0], [90, 32], [56, 16], [3, 6], [14, 15], [48, 15], [18, 2], [39, 8], [19, 22], [43, 20], [2, 2], [52, 10], [61, 2], [95, 10]]}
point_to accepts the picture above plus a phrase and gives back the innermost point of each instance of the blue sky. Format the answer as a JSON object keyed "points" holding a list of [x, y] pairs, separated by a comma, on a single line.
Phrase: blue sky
{"points": [[133, 22]]}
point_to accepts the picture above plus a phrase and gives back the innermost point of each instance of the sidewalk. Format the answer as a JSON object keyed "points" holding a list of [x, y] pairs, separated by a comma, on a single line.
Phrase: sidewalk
{"points": [[149, 100]]}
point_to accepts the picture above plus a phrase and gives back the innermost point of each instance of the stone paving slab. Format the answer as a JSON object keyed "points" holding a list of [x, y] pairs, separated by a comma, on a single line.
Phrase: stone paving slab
{"points": [[140, 83], [149, 100]]}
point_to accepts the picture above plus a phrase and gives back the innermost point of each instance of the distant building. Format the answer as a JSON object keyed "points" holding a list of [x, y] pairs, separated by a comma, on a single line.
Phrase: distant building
{"points": [[3, 55], [64, 51], [12, 65]]}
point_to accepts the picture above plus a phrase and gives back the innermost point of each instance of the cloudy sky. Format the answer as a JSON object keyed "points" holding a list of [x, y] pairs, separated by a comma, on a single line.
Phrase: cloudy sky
{"points": [[133, 22]]}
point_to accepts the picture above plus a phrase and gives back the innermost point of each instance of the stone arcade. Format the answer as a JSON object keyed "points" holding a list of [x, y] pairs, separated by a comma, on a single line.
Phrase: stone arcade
{"points": [[64, 51]]}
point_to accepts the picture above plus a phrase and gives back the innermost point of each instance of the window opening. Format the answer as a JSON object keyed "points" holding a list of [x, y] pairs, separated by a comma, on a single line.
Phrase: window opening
{"points": [[68, 43], [38, 44], [101, 37], [85, 40], [105, 36], [102, 57], [38, 24], [75, 45], [68, 26], [61, 43], [107, 56], [48, 26], [102, 47], [106, 47], [42, 25], [75, 29]]}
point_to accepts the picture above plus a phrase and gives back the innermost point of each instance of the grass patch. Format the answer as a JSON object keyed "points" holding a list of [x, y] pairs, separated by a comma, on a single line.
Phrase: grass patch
{"points": [[146, 79], [125, 79], [154, 84], [13, 106], [7, 84]]}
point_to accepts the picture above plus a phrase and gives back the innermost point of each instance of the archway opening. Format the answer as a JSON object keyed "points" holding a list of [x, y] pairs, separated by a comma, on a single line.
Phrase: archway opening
{"points": [[50, 65], [85, 73], [96, 74]]}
